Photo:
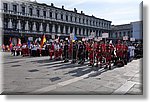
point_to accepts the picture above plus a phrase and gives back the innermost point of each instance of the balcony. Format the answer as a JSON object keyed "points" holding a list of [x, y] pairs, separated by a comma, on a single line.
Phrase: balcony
{"points": [[53, 19]]}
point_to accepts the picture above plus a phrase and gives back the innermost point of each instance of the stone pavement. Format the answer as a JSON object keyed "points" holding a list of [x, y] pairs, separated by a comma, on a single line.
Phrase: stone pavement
{"points": [[39, 75]]}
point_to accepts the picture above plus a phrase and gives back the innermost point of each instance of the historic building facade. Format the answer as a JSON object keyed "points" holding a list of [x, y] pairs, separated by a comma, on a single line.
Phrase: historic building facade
{"points": [[132, 30], [119, 31], [25, 19]]}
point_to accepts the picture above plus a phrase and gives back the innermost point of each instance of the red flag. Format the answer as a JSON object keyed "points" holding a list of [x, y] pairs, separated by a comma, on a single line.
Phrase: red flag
{"points": [[10, 45], [43, 40]]}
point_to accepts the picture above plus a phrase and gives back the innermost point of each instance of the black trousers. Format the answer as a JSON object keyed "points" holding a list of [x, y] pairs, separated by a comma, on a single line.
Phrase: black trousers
{"points": [[81, 56], [86, 54], [74, 54], [66, 54]]}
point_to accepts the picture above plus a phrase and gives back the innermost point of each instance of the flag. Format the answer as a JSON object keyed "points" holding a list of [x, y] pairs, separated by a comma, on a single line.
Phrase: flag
{"points": [[43, 40], [28, 44], [10, 45], [75, 38]]}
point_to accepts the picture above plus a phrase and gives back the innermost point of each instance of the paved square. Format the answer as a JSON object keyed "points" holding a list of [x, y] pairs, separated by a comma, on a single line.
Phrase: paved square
{"points": [[39, 75]]}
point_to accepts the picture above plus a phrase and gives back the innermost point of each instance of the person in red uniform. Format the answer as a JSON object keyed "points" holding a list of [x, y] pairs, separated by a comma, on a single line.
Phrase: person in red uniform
{"points": [[125, 52], [107, 55], [51, 50], [87, 49], [91, 54], [119, 53], [112, 49], [99, 54]]}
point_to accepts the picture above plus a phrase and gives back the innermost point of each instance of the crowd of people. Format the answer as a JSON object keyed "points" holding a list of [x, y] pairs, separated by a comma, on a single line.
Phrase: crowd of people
{"points": [[97, 53]]}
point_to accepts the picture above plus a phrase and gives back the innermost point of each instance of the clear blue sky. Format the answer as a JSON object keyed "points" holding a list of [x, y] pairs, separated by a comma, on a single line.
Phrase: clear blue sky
{"points": [[117, 11]]}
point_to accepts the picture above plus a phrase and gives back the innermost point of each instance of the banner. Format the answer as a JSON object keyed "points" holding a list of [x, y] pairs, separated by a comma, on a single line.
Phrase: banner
{"points": [[71, 36], [105, 35], [53, 36], [99, 38], [132, 39], [92, 34], [30, 38], [125, 38]]}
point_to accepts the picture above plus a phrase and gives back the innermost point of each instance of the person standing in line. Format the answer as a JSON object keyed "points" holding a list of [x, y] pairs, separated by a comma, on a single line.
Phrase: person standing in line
{"points": [[81, 53], [51, 50], [125, 53], [57, 47], [75, 48], [66, 52], [86, 50], [91, 53]]}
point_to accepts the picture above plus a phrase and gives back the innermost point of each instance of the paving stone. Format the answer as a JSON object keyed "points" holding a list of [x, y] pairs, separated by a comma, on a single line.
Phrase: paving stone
{"points": [[68, 90], [18, 79], [103, 90]]}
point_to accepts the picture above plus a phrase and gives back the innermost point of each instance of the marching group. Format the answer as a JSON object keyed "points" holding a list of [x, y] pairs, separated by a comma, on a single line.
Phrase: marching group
{"points": [[98, 53]]}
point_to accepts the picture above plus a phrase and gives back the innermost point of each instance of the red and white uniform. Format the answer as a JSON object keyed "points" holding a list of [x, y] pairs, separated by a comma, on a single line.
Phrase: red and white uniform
{"points": [[99, 54], [119, 50], [91, 53], [51, 51], [56, 49], [107, 53]]}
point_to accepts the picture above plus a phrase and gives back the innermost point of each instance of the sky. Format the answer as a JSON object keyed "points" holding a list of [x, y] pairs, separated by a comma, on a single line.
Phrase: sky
{"points": [[117, 11]]}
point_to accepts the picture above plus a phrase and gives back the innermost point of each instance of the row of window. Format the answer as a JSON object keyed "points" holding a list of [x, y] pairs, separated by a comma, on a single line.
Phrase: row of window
{"points": [[121, 34], [62, 17], [23, 24]]}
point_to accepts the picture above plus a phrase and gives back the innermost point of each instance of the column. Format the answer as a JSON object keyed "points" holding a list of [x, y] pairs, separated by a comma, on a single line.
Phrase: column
{"points": [[64, 16], [89, 32], [69, 30], [68, 17], [73, 31], [41, 27], [10, 7], [53, 14], [78, 19], [81, 31], [41, 13], [47, 28], [27, 10], [59, 15], [10, 24], [19, 25], [85, 33], [47, 14], [27, 26], [64, 29], [73, 18], [59, 29], [77, 31], [53, 28], [19, 9], [98, 33], [34, 27], [34, 12]]}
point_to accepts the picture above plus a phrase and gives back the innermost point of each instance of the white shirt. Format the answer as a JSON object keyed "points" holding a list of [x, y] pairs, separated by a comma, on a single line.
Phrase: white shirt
{"points": [[56, 46], [131, 50]]}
